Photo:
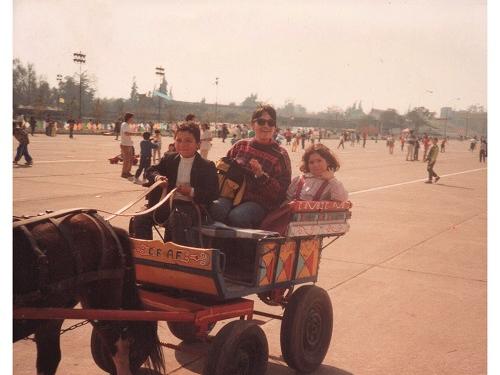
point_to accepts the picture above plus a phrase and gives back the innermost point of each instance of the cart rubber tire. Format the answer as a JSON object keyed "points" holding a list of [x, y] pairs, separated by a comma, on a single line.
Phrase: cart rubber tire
{"points": [[240, 347], [139, 351], [186, 331], [306, 328]]}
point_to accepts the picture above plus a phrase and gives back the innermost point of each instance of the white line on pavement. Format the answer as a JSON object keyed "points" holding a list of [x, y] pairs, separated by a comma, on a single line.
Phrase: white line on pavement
{"points": [[414, 181], [61, 161]]}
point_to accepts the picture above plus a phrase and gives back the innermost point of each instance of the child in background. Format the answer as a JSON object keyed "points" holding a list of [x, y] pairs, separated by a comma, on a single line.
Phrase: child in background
{"points": [[157, 142], [443, 145], [171, 147], [145, 162], [318, 181]]}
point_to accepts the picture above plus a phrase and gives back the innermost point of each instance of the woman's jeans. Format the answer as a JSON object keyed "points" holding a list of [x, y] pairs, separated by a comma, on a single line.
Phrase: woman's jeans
{"points": [[245, 215]]}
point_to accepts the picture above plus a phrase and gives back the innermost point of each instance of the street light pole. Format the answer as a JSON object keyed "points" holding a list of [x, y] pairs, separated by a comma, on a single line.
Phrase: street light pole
{"points": [[160, 72], [59, 80], [79, 58], [216, 97]]}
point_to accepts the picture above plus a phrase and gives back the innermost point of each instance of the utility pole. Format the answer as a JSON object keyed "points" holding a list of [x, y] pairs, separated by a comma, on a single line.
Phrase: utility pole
{"points": [[59, 80], [79, 58], [160, 72], [467, 123], [216, 97]]}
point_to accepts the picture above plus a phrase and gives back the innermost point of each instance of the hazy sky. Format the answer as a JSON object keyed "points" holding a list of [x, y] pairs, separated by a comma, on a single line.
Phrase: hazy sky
{"points": [[315, 53]]}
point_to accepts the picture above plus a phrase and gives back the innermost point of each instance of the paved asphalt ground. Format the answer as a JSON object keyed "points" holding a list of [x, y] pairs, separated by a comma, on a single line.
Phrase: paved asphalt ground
{"points": [[408, 283]]}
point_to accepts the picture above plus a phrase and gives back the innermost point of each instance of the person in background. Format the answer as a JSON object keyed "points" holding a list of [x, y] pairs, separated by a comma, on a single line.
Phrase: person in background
{"points": [[190, 118], [127, 145], [145, 161], [171, 147], [473, 142], [410, 140], [431, 161], [71, 126], [21, 136], [118, 124], [269, 174], [416, 148], [206, 140], [157, 149], [426, 142], [390, 143], [443, 145], [32, 122], [288, 136], [296, 140], [341, 143], [483, 150], [224, 132], [318, 180]]}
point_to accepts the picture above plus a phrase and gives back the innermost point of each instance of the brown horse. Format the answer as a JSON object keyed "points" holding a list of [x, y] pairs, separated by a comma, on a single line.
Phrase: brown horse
{"points": [[71, 257]]}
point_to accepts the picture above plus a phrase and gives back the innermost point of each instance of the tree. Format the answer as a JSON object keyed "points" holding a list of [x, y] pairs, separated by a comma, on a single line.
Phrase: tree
{"points": [[290, 109], [203, 100], [250, 101], [419, 117], [133, 91], [24, 83], [390, 119]]}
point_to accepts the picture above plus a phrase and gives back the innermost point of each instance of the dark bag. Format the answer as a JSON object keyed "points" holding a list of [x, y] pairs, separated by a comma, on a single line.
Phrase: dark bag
{"points": [[183, 224], [179, 224]]}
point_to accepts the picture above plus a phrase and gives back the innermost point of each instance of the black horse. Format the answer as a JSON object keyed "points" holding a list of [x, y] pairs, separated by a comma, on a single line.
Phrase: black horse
{"points": [[71, 257]]}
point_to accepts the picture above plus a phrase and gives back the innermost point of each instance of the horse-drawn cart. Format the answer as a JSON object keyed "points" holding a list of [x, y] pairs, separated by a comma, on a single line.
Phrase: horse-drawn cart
{"points": [[194, 288]]}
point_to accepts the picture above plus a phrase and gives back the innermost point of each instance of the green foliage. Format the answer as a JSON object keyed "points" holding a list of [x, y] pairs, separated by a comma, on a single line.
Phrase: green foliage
{"points": [[420, 117], [250, 101]]}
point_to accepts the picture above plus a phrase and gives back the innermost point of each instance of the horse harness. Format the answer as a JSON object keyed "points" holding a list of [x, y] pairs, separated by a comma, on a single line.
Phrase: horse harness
{"points": [[56, 218]]}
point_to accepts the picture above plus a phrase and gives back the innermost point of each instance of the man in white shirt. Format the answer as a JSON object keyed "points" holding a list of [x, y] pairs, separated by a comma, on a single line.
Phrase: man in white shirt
{"points": [[127, 145]]}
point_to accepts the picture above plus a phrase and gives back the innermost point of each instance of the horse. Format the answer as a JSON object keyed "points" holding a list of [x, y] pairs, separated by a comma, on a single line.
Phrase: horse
{"points": [[75, 256]]}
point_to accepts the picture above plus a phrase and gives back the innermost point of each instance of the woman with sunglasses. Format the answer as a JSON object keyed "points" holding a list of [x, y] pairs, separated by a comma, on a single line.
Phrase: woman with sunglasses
{"points": [[268, 165]]}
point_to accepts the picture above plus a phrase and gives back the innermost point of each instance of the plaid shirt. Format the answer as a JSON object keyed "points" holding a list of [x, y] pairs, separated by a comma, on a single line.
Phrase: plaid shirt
{"points": [[269, 191]]}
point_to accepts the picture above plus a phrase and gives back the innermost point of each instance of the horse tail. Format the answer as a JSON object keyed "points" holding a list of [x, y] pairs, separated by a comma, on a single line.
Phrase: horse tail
{"points": [[145, 335]]}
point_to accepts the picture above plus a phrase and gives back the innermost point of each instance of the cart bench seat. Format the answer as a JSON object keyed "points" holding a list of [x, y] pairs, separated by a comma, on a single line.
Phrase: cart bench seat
{"points": [[221, 230]]}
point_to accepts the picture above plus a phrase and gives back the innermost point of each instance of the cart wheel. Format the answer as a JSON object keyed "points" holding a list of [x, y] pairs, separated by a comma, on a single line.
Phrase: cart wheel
{"points": [[306, 328], [186, 331], [140, 348], [241, 348]]}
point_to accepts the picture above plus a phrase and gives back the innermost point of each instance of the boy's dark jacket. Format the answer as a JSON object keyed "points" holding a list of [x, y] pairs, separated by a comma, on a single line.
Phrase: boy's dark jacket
{"points": [[204, 178]]}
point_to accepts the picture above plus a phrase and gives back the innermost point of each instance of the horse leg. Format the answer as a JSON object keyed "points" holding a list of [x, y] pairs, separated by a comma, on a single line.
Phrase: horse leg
{"points": [[48, 347], [122, 359]]}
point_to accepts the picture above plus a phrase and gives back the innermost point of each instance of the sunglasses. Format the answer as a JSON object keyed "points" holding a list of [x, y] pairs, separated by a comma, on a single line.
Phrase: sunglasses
{"points": [[262, 122]]}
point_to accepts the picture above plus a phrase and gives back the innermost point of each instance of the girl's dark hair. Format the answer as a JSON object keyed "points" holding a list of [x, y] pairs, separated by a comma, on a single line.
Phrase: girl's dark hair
{"points": [[189, 127], [146, 135], [264, 108], [324, 152]]}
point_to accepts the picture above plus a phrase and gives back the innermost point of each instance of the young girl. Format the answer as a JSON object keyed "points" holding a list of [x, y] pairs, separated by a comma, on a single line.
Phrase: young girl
{"points": [[318, 181], [157, 141]]}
